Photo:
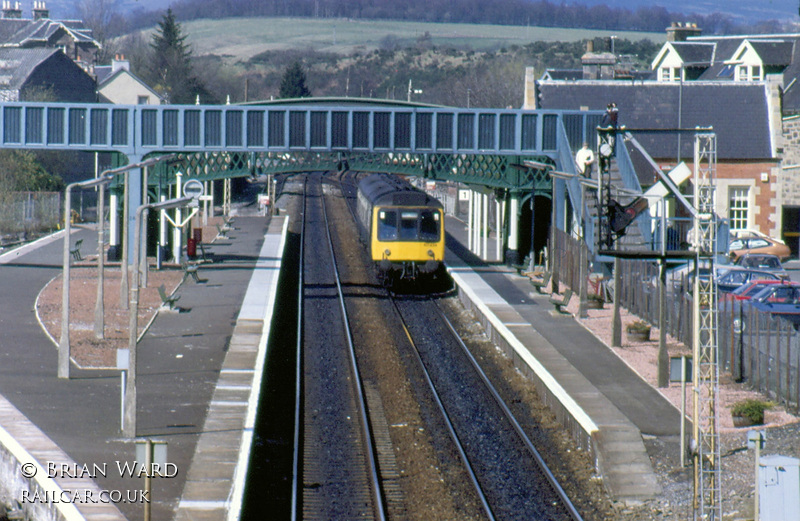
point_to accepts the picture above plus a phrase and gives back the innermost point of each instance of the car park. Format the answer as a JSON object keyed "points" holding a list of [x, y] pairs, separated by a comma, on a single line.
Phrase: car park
{"points": [[735, 278], [779, 300], [762, 262], [758, 244], [746, 291]]}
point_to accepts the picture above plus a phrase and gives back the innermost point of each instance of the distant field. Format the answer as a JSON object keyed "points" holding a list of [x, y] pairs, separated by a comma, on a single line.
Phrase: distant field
{"points": [[241, 38]]}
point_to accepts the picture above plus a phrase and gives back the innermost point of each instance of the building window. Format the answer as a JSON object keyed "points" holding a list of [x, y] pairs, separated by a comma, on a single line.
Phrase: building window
{"points": [[143, 100], [669, 74], [738, 207], [748, 72]]}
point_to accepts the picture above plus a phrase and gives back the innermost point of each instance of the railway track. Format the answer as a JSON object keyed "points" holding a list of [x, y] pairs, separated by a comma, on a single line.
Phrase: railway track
{"points": [[466, 457], [335, 470], [507, 472]]}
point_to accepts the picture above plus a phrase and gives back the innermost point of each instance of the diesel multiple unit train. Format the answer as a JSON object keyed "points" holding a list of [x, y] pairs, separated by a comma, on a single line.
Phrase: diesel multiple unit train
{"points": [[403, 227]]}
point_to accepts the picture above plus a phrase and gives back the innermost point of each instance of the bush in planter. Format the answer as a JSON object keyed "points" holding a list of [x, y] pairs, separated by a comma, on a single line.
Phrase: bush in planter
{"points": [[751, 409], [639, 330], [595, 301]]}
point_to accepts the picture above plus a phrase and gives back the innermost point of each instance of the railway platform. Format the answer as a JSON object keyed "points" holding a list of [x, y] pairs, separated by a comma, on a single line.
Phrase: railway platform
{"points": [[197, 383], [609, 410]]}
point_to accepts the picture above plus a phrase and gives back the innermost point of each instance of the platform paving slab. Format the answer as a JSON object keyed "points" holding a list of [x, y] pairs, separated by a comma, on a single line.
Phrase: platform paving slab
{"points": [[527, 325]]}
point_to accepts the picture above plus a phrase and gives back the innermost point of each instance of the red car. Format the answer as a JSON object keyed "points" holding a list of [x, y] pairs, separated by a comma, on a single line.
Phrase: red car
{"points": [[745, 291]]}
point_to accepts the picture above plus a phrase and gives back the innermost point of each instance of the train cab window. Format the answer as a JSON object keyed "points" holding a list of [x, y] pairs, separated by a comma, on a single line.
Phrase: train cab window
{"points": [[429, 226], [387, 225], [408, 225]]}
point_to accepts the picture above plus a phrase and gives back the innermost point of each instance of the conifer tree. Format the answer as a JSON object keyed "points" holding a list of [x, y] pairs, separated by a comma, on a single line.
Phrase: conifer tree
{"points": [[171, 65], [293, 83]]}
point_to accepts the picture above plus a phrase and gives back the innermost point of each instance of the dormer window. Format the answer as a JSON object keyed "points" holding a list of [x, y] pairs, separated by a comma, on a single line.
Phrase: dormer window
{"points": [[669, 74], [747, 72]]}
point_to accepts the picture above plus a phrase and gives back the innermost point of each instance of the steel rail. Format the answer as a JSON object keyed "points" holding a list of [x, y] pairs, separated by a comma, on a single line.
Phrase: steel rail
{"points": [[369, 446], [445, 416], [298, 404], [512, 419]]}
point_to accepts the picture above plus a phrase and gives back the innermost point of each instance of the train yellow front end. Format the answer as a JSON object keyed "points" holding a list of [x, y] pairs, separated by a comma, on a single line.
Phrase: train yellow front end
{"points": [[407, 239], [404, 226]]}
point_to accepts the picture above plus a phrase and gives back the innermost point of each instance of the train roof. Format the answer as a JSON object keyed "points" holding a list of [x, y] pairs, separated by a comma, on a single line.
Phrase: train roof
{"points": [[391, 190]]}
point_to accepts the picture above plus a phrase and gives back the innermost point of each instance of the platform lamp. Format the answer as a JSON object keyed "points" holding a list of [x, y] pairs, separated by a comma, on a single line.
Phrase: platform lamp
{"points": [[103, 179], [63, 345], [129, 417]]}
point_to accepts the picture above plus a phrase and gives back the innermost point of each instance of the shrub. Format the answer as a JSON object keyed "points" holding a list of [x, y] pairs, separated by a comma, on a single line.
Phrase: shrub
{"points": [[638, 326], [751, 409]]}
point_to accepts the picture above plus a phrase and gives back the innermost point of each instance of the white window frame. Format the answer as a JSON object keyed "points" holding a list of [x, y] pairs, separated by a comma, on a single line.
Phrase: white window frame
{"points": [[738, 207]]}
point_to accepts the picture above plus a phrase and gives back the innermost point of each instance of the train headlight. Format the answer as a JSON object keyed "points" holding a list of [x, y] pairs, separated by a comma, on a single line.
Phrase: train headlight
{"points": [[387, 252], [431, 255]]}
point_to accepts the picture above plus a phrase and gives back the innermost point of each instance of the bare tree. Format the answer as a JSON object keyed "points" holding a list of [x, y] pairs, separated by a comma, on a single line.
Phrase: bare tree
{"points": [[105, 20]]}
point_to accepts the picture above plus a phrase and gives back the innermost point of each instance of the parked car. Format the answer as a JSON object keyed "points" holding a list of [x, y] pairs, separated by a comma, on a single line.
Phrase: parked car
{"points": [[736, 278], [779, 300], [685, 273], [762, 262], [757, 244], [746, 291]]}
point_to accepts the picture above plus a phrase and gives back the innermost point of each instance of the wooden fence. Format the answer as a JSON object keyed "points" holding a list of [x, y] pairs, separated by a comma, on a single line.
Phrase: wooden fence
{"points": [[762, 350]]}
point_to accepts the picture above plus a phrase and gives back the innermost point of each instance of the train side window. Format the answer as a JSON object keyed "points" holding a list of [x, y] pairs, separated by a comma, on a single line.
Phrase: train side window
{"points": [[408, 225], [387, 225], [429, 226]]}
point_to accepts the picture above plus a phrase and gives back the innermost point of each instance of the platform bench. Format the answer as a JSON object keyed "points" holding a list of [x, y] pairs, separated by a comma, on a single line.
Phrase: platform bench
{"points": [[167, 300], [191, 270], [560, 301], [76, 250], [541, 283]]}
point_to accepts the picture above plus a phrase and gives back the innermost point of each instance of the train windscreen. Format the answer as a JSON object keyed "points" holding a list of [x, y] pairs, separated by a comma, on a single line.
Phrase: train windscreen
{"points": [[408, 225]]}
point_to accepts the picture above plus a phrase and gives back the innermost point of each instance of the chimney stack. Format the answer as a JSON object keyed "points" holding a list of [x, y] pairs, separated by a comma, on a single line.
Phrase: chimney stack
{"points": [[40, 10], [10, 11], [678, 32], [120, 63]]}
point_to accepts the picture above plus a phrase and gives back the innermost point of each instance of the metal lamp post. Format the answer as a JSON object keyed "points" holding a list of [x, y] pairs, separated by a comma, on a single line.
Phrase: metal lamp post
{"points": [[129, 427], [103, 179], [63, 345]]}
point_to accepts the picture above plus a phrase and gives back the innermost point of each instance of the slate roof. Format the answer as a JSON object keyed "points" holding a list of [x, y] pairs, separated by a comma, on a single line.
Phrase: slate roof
{"points": [[17, 32], [691, 52], [104, 75], [563, 74], [16, 65], [774, 53], [737, 111]]}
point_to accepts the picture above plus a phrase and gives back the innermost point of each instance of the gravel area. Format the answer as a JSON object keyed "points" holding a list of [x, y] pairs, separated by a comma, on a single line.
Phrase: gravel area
{"points": [[86, 350], [781, 429]]}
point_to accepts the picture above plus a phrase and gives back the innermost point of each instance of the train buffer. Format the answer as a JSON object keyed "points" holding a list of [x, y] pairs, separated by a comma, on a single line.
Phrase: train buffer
{"points": [[561, 301]]}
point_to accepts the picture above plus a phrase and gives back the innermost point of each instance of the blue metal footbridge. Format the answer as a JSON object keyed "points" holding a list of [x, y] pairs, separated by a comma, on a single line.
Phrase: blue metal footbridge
{"points": [[476, 146]]}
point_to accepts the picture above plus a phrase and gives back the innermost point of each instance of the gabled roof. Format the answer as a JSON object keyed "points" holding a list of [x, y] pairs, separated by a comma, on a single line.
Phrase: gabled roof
{"points": [[16, 65], [105, 76], [694, 53], [775, 53], [15, 32], [563, 74], [738, 112]]}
